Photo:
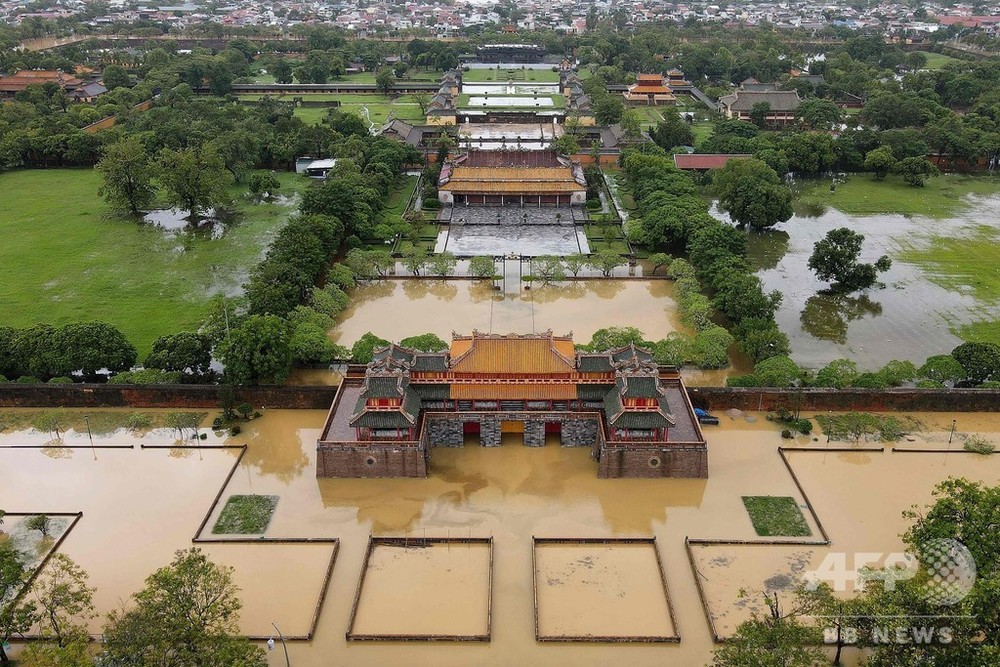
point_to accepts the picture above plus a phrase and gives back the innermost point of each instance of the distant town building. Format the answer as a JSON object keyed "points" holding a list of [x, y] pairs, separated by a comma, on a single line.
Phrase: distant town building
{"points": [[633, 416]]}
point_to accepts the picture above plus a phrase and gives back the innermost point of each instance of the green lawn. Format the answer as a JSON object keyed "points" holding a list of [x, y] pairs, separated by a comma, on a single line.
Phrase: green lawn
{"points": [[366, 77], [980, 332], [702, 130], [937, 60], [943, 196], [245, 515], [968, 263], [379, 106], [776, 516], [480, 75], [67, 258]]}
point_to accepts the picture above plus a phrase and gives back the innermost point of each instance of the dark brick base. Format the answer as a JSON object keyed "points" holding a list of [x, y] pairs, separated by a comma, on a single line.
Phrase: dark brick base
{"points": [[370, 462], [653, 463]]}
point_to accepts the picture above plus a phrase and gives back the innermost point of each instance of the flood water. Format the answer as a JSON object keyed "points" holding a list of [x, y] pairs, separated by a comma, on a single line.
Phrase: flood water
{"points": [[911, 318], [395, 309], [141, 504]]}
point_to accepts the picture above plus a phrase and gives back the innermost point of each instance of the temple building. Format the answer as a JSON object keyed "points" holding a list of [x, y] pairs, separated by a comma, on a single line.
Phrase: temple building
{"points": [[633, 415], [651, 90], [512, 177]]}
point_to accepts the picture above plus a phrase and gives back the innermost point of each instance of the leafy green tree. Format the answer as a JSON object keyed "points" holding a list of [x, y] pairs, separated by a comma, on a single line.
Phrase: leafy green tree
{"points": [[239, 151], [981, 361], [415, 260], [835, 259], [660, 259], [257, 351], [90, 347], [187, 614], [282, 71], [778, 639], [427, 342], [606, 261], [186, 351], [127, 176], [608, 110], [818, 114], [778, 371], [548, 268], [566, 144], [880, 162], [575, 262], [671, 132], [752, 193], [611, 338], [311, 345], [194, 179], [839, 373], [115, 76], [897, 372], [64, 601], [915, 170], [759, 112], [16, 617], [482, 267], [361, 351], [942, 368], [710, 347], [385, 80], [263, 184], [441, 264]]}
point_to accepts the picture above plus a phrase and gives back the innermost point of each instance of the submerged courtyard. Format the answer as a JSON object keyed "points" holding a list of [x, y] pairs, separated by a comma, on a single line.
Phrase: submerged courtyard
{"points": [[489, 528]]}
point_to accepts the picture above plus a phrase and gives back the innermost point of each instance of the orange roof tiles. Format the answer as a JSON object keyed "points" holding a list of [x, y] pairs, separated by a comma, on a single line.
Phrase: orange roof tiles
{"points": [[513, 174], [521, 355], [510, 391], [514, 187]]}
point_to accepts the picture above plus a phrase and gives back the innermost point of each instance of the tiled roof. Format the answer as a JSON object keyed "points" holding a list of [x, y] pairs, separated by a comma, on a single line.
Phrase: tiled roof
{"points": [[638, 386], [594, 363], [528, 354], [541, 174], [430, 362], [511, 187], [706, 160], [513, 391], [780, 100], [593, 392]]}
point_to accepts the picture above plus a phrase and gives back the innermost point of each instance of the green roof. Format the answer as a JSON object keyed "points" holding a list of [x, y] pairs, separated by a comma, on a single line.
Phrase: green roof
{"points": [[594, 363]]}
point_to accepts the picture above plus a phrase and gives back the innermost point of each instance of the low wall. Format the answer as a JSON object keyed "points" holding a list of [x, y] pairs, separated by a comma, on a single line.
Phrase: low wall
{"points": [[871, 400], [13, 395]]}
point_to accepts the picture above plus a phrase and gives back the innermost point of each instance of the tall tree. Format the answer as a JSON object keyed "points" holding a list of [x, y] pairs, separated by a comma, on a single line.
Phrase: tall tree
{"points": [[187, 614], [752, 193], [194, 179], [835, 259], [16, 616], [257, 351], [127, 175]]}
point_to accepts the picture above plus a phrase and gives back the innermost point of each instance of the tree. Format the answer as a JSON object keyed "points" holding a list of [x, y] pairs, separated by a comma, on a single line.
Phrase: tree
{"points": [[839, 373], [609, 110], [423, 101], [942, 368], [16, 617], [194, 179], [127, 176], [981, 361], [611, 338], [415, 260], [482, 267], [631, 124], [566, 144], [361, 351], [915, 170], [758, 113], [186, 351], [835, 259], [311, 345], [442, 264], [115, 76], [65, 602], [263, 184], [752, 193], [574, 262], [91, 347], [778, 639], [187, 614], [672, 132], [818, 114], [257, 351], [606, 261], [880, 161], [427, 342], [282, 71], [547, 268], [385, 80]]}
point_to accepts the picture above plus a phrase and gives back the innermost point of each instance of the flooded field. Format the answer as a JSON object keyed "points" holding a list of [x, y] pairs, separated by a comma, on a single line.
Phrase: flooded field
{"points": [[608, 590], [142, 504], [913, 317], [395, 309], [435, 589]]}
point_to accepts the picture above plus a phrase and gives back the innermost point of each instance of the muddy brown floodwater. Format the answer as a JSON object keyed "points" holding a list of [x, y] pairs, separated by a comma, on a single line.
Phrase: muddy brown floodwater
{"points": [[142, 504], [911, 318]]}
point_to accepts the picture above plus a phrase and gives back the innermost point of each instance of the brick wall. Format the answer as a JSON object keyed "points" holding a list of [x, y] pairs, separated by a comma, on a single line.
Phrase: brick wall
{"points": [[871, 400], [160, 396], [652, 462], [370, 462]]}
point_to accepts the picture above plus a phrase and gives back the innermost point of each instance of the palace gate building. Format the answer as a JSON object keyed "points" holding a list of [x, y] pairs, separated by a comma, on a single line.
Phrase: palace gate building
{"points": [[633, 415]]}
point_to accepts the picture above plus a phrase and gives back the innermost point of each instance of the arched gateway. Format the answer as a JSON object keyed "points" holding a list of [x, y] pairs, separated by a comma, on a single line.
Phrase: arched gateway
{"points": [[635, 416]]}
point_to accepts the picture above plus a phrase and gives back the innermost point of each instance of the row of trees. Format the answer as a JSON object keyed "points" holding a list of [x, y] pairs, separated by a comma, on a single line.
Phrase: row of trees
{"points": [[974, 364], [186, 614]]}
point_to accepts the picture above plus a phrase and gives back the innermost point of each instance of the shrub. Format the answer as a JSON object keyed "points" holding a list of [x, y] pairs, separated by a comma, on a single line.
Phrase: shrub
{"points": [[710, 347], [978, 444], [137, 421], [28, 379], [62, 379], [235, 429], [364, 347], [750, 380], [432, 203], [776, 372], [146, 376], [870, 381]]}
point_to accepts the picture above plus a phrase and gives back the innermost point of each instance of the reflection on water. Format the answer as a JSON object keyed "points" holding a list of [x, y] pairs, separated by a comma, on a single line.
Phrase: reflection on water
{"points": [[911, 319], [826, 316], [179, 222]]}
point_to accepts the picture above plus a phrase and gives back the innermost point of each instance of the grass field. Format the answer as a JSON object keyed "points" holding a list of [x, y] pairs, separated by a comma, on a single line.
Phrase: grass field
{"points": [[966, 263], [937, 60], [776, 516], [66, 258], [378, 106], [366, 77], [482, 75], [942, 196], [245, 515], [702, 130]]}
